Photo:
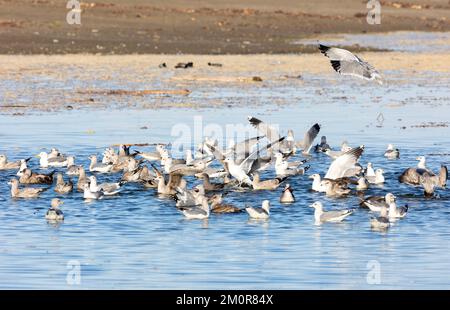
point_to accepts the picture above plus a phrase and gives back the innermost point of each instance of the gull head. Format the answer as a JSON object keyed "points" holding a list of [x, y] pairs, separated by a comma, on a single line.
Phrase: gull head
{"points": [[390, 198], [42, 155], [420, 158], [314, 176], [317, 205], [390, 147], [56, 203]]}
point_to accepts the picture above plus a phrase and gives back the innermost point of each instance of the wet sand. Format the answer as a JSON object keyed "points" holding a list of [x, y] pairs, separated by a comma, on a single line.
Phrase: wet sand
{"points": [[59, 82], [201, 27]]}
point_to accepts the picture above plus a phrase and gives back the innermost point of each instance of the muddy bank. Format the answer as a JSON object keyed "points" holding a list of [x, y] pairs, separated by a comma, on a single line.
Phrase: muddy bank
{"points": [[200, 27]]}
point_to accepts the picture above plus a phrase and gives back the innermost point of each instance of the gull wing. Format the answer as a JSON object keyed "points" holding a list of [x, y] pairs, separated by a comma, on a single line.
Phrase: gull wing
{"points": [[263, 128], [344, 162], [247, 163]]}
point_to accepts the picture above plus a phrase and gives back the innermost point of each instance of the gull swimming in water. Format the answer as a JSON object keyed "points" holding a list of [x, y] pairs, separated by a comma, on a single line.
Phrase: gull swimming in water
{"points": [[29, 177], [81, 179], [270, 184], [210, 186], [369, 172], [345, 162], [170, 187], [321, 216], [7, 165], [378, 178], [376, 203], [396, 212], [98, 167], [262, 213], [346, 63], [72, 169], [362, 185], [217, 206], [287, 196], [381, 222], [54, 213], [391, 152], [323, 146], [422, 176], [27, 192], [46, 162], [318, 185], [54, 153], [61, 186], [90, 195], [108, 189], [199, 213], [153, 156]]}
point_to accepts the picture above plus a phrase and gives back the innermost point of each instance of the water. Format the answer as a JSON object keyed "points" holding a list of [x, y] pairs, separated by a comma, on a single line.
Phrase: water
{"points": [[400, 41], [139, 240]]}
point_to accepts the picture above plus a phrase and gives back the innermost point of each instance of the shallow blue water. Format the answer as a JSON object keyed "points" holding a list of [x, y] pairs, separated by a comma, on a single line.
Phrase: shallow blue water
{"points": [[139, 240]]}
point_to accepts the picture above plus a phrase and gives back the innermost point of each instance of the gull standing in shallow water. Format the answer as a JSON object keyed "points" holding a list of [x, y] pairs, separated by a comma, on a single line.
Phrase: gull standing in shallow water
{"points": [[346, 63], [262, 213], [321, 216], [55, 213]]}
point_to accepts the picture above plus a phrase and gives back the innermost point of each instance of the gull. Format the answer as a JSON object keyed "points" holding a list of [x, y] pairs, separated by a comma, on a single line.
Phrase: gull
{"points": [[322, 216], [285, 168], [318, 185], [262, 213], [336, 187], [29, 177], [81, 179], [25, 192], [54, 153], [153, 156], [369, 172], [212, 173], [322, 146], [189, 198], [376, 203], [133, 171], [422, 176], [23, 166], [346, 63], [378, 178], [248, 165], [363, 184], [54, 213], [108, 189], [211, 186], [217, 205], [165, 156], [88, 194], [347, 161], [287, 196], [61, 186], [199, 213], [98, 167], [391, 152], [396, 212], [72, 169], [272, 134], [5, 165], [382, 221], [168, 188], [270, 184], [46, 162]]}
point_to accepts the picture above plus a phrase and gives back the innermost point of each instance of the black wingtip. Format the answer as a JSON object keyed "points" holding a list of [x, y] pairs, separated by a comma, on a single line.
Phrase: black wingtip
{"points": [[254, 121], [323, 48], [316, 127]]}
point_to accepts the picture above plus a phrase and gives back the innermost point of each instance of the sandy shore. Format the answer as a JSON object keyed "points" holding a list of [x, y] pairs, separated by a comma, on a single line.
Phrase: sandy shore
{"points": [[49, 83], [201, 27]]}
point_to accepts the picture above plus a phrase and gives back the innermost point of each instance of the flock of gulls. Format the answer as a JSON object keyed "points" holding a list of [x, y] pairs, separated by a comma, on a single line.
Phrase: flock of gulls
{"points": [[238, 167]]}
